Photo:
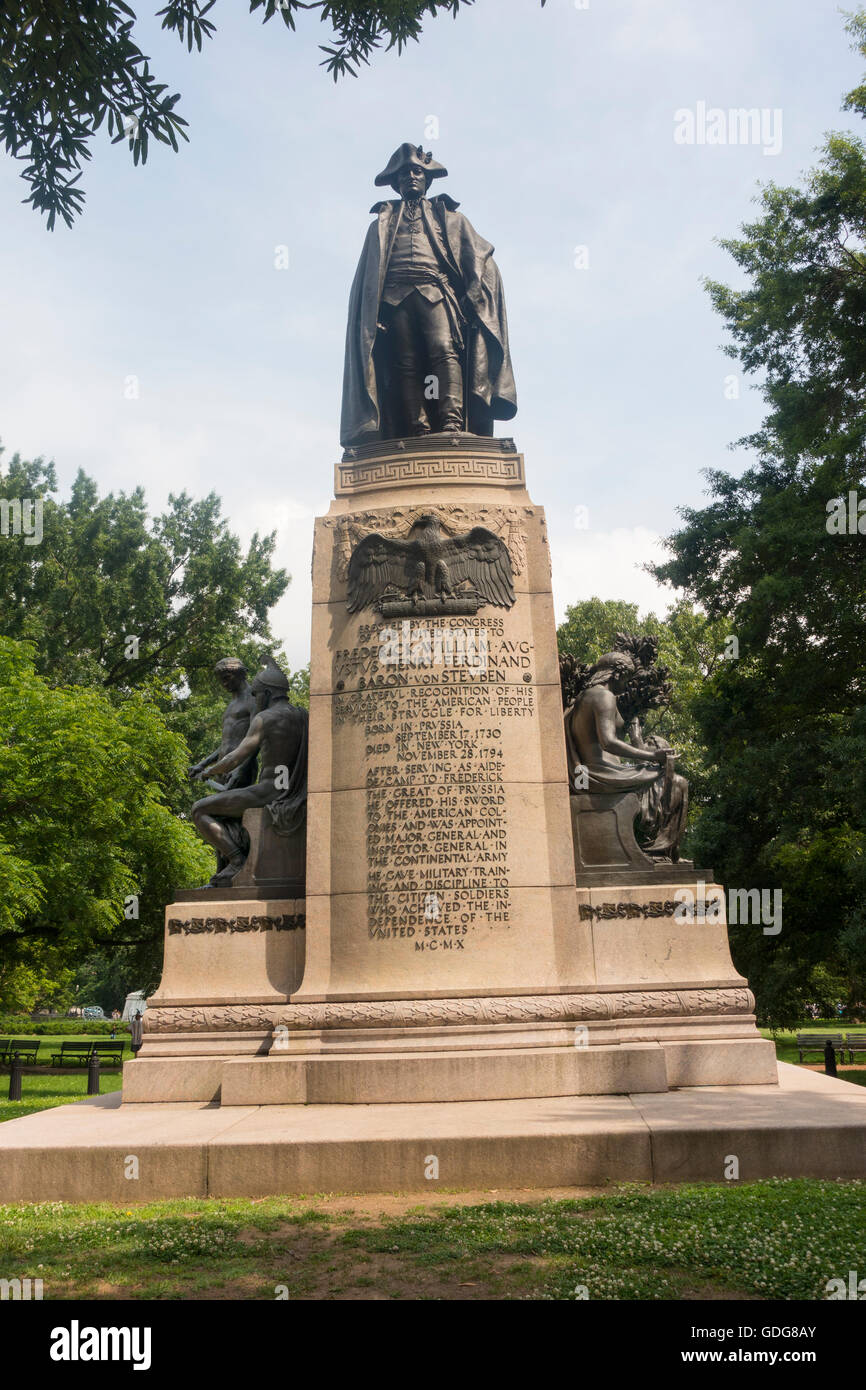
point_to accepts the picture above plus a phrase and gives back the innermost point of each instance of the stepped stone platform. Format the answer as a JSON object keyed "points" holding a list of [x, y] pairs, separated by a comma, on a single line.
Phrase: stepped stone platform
{"points": [[446, 949], [455, 976], [808, 1125]]}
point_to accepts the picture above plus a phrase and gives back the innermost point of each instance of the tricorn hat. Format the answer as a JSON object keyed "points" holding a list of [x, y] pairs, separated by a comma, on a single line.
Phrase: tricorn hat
{"points": [[401, 157]]}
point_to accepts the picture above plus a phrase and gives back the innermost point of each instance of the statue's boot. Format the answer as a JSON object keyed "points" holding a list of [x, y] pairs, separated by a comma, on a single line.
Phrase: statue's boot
{"points": [[450, 375], [413, 406]]}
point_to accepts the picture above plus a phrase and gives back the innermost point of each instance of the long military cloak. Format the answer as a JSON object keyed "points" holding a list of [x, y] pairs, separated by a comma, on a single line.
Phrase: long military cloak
{"points": [[474, 275]]}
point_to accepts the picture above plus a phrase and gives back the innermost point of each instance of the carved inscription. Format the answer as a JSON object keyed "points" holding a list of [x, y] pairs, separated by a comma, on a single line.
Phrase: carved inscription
{"points": [[438, 874], [607, 912], [288, 922]]}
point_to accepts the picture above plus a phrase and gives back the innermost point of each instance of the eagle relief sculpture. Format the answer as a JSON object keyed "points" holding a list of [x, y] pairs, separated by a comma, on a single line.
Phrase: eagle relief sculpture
{"points": [[430, 573]]}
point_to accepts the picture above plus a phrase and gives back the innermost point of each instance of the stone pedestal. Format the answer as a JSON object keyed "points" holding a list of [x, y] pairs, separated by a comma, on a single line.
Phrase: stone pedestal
{"points": [[225, 960], [602, 827], [450, 954], [440, 859], [276, 864]]}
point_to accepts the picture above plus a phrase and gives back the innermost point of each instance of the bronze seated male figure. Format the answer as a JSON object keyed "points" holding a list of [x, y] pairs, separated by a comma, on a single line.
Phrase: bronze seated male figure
{"points": [[277, 734], [231, 673]]}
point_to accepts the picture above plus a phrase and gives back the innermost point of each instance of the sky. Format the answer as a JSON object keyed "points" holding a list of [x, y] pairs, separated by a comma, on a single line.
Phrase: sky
{"points": [[159, 342]]}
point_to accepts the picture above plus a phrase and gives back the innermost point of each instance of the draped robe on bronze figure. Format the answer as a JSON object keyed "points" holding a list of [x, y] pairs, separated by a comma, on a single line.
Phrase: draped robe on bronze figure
{"points": [[476, 287]]}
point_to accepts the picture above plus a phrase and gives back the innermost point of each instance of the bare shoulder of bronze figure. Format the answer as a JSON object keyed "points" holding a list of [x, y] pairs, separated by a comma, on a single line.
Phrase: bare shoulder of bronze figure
{"points": [[232, 676], [427, 335]]}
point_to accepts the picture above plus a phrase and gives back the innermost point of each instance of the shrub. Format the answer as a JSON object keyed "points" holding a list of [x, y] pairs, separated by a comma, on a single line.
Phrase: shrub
{"points": [[21, 1026]]}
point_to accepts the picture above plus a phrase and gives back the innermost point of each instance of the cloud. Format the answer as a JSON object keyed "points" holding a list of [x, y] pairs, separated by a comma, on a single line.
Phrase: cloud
{"points": [[607, 565], [652, 28]]}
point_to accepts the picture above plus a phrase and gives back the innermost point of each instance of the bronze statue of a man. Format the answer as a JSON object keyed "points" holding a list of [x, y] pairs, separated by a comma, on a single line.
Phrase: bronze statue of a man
{"points": [[427, 337], [278, 736], [231, 673], [232, 676]]}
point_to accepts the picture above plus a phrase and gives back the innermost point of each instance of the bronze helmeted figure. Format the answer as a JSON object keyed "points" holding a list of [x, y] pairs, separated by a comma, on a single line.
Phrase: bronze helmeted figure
{"points": [[427, 337]]}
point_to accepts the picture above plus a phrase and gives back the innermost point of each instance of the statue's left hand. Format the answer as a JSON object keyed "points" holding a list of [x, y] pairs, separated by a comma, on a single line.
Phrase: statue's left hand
{"points": [[661, 755]]}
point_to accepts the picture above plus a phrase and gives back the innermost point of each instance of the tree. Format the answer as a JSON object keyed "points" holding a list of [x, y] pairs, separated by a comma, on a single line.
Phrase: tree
{"points": [[111, 597], [66, 69], [107, 977], [591, 626], [117, 620], [785, 723], [90, 850], [45, 982]]}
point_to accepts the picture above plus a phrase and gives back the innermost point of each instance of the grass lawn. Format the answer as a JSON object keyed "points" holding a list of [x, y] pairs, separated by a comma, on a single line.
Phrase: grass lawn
{"points": [[41, 1092], [780, 1239]]}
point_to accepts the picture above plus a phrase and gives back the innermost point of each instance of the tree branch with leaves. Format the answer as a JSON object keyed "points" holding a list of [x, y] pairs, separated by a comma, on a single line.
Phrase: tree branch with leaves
{"points": [[67, 69]]}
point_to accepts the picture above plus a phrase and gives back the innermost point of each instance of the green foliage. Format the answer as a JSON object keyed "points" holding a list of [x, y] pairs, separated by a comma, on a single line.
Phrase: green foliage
{"points": [[107, 977], [299, 687], [591, 626], [23, 1026], [85, 784], [45, 980], [856, 27], [105, 572], [102, 729], [785, 724], [67, 69]]}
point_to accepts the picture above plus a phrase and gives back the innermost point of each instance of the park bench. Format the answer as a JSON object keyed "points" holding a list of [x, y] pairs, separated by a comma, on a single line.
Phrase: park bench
{"points": [[74, 1054], [25, 1048], [78, 1054], [855, 1042], [816, 1042]]}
